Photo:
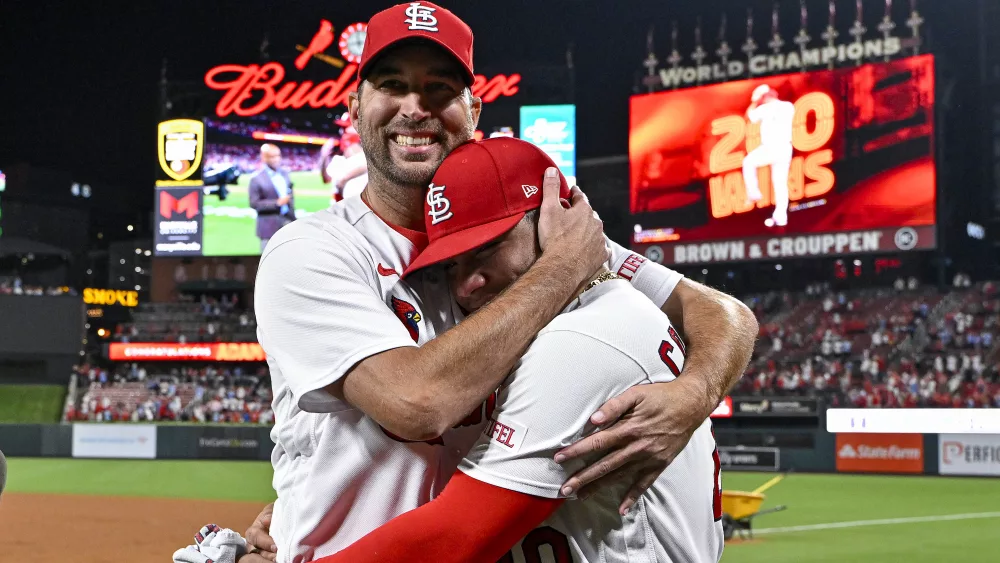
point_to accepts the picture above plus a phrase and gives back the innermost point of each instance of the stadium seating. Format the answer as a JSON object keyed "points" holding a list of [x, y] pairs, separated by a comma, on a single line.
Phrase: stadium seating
{"points": [[207, 321], [887, 347], [152, 392], [883, 347]]}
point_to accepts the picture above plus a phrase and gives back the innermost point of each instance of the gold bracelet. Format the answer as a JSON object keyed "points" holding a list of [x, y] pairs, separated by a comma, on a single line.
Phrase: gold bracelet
{"points": [[606, 276]]}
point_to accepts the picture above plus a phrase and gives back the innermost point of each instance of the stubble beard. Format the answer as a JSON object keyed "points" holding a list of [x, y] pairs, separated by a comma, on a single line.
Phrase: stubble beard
{"points": [[381, 164]]}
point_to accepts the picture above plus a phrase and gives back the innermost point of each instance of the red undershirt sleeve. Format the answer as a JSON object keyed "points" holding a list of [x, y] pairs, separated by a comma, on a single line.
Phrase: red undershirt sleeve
{"points": [[469, 521]]}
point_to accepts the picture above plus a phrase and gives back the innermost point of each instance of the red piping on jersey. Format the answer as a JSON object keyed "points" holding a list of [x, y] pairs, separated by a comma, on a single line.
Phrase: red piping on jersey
{"points": [[418, 238]]}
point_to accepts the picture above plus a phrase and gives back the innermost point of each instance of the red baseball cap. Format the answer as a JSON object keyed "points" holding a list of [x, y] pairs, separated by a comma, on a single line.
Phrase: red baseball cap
{"points": [[481, 191], [418, 20], [350, 137]]}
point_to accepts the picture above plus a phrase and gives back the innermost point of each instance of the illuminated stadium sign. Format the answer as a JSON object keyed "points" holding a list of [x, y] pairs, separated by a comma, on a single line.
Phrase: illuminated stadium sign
{"points": [[174, 352], [253, 89], [125, 298], [179, 149], [807, 164]]}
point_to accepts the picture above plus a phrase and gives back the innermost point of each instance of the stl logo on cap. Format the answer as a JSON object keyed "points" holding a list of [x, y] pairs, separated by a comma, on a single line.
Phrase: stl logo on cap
{"points": [[440, 206], [421, 18]]}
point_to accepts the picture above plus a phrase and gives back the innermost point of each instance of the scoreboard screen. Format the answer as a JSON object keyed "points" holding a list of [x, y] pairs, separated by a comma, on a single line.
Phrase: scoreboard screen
{"points": [[806, 164]]}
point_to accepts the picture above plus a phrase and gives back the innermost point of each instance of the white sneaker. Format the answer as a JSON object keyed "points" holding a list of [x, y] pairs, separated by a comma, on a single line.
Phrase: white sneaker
{"points": [[770, 222]]}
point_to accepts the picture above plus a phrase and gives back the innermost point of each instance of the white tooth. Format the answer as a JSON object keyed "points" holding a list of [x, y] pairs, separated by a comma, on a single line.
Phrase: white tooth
{"points": [[413, 141]]}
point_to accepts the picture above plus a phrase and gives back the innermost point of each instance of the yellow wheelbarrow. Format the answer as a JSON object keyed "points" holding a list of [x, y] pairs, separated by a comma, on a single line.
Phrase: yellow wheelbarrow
{"points": [[739, 508]]}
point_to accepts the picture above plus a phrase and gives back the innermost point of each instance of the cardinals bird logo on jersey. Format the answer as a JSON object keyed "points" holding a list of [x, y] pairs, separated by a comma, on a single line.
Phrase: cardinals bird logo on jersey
{"points": [[408, 315]]}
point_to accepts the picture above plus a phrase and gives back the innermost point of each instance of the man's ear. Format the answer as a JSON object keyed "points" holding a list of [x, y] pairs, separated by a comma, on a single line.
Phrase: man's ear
{"points": [[477, 108], [354, 108]]}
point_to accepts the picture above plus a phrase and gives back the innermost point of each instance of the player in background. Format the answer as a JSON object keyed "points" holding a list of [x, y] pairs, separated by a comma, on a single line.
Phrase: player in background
{"points": [[373, 413], [607, 340], [775, 117], [348, 171]]}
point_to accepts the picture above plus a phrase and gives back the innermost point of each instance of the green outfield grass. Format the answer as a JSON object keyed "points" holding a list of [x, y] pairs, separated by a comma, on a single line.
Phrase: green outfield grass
{"points": [[822, 501], [229, 231], [211, 480], [31, 403]]}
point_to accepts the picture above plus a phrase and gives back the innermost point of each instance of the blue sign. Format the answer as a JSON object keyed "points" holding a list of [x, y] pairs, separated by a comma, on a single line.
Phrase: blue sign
{"points": [[552, 129]]}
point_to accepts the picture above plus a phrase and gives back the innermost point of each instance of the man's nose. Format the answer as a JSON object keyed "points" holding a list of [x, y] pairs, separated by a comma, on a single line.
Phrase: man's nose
{"points": [[466, 285], [414, 107]]}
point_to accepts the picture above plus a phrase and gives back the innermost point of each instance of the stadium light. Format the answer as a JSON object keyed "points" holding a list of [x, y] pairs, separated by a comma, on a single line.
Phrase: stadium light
{"points": [[138, 250], [147, 253], [101, 332], [130, 227]]}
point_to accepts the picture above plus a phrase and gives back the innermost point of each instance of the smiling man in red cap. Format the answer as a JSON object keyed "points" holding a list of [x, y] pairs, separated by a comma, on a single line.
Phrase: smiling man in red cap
{"points": [[506, 494], [378, 395]]}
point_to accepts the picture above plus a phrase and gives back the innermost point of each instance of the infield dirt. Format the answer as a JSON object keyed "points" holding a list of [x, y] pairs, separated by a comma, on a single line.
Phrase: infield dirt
{"points": [[94, 529]]}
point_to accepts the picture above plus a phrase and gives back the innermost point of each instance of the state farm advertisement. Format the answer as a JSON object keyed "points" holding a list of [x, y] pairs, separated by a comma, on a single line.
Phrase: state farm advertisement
{"points": [[880, 453], [969, 454], [174, 352]]}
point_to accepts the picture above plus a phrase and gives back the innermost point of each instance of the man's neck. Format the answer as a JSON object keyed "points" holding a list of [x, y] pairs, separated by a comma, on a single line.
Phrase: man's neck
{"points": [[402, 206]]}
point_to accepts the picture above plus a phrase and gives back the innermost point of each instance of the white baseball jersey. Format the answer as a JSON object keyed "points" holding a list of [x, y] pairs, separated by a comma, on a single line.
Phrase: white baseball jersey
{"points": [[328, 295], [338, 167], [605, 342], [775, 118]]}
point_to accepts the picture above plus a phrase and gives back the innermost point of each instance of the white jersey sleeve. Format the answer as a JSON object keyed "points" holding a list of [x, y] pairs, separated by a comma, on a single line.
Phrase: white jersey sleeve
{"points": [[318, 318], [655, 281], [544, 406]]}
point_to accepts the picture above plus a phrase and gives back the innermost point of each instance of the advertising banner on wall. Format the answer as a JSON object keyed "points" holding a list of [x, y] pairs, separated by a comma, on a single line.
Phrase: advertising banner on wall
{"points": [[749, 459], [176, 352], [969, 454], [178, 219], [114, 441], [880, 453], [228, 443]]}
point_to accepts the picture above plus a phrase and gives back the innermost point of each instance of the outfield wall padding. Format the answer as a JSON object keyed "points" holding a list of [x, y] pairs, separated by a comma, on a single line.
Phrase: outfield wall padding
{"points": [[251, 442]]}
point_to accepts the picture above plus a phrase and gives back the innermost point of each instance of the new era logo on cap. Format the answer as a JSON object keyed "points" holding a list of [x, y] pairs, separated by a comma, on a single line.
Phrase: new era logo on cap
{"points": [[421, 17], [529, 190]]}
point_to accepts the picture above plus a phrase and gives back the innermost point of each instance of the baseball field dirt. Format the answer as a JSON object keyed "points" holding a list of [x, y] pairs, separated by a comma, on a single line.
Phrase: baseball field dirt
{"points": [[93, 529]]}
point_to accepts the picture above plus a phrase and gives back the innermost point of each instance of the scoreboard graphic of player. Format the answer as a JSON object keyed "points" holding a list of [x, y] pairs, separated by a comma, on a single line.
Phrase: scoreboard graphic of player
{"points": [[768, 159]]}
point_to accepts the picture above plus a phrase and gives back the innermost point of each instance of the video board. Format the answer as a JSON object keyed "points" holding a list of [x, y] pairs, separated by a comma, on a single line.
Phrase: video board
{"points": [[204, 224], [806, 164]]}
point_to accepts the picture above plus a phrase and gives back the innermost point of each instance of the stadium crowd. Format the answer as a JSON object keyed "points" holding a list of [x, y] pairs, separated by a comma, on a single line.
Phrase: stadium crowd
{"points": [[247, 157], [154, 392], [904, 346], [900, 346]]}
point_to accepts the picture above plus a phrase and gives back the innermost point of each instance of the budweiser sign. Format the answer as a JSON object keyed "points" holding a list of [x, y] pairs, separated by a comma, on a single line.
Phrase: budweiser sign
{"points": [[256, 88]]}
